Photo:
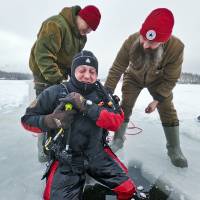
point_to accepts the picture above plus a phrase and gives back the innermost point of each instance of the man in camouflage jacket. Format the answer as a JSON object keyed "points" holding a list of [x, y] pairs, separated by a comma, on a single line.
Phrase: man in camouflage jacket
{"points": [[151, 59], [59, 39]]}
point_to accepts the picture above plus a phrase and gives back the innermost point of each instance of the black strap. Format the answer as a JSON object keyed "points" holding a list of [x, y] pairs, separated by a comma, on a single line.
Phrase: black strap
{"points": [[66, 89], [69, 130], [108, 97]]}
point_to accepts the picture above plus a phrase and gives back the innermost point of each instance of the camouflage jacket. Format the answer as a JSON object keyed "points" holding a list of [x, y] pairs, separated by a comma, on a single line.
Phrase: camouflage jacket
{"points": [[57, 42]]}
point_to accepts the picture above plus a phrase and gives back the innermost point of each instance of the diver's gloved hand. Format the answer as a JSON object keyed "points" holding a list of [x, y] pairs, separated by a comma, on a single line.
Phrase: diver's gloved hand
{"points": [[59, 119], [77, 100]]}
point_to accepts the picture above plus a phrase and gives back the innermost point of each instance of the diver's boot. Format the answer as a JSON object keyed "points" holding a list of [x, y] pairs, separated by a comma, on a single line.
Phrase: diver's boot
{"points": [[119, 138], [42, 157], [173, 146]]}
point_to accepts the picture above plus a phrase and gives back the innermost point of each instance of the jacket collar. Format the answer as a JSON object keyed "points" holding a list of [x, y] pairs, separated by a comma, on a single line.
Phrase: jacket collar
{"points": [[69, 14]]}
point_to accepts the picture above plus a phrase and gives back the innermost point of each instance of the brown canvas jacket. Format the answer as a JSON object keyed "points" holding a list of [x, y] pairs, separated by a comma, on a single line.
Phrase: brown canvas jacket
{"points": [[163, 77]]}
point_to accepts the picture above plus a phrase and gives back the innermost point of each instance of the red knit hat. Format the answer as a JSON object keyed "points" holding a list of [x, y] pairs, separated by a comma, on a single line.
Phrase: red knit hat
{"points": [[158, 25], [91, 15]]}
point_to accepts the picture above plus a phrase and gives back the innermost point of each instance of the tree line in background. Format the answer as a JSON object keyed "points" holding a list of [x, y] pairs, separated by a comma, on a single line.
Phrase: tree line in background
{"points": [[186, 78], [14, 76], [189, 78]]}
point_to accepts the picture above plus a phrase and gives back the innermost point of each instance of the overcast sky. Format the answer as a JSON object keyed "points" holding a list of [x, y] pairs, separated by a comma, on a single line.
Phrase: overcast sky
{"points": [[20, 21]]}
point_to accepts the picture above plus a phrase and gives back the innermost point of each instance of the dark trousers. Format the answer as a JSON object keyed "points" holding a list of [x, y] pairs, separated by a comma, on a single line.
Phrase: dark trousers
{"points": [[64, 183]]}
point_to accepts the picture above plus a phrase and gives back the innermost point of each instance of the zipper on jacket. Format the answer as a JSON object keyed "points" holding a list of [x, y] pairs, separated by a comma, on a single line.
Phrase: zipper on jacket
{"points": [[145, 74]]}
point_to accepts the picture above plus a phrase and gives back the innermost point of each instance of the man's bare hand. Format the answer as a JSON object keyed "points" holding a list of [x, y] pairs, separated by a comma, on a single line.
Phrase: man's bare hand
{"points": [[151, 107]]}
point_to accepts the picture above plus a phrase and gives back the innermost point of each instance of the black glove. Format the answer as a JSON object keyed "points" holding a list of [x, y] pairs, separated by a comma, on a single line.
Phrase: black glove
{"points": [[77, 100], [59, 119]]}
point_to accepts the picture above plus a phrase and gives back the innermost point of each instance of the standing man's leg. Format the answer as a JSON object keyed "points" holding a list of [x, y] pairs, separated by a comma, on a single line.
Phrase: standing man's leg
{"points": [[42, 157], [130, 92], [170, 125]]}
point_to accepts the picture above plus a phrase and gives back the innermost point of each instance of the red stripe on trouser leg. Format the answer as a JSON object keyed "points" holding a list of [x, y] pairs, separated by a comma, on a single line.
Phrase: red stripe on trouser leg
{"points": [[126, 190], [47, 191], [114, 157]]}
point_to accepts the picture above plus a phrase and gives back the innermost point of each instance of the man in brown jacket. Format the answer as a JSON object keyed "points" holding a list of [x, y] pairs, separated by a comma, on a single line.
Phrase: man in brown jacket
{"points": [[59, 39], [151, 59]]}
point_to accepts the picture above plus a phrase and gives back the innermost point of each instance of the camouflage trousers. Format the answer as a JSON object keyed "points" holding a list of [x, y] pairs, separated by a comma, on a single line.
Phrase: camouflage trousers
{"points": [[130, 92]]}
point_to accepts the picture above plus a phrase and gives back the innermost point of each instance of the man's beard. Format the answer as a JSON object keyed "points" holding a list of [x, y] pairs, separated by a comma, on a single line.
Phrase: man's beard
{"points": [[147, 58]]}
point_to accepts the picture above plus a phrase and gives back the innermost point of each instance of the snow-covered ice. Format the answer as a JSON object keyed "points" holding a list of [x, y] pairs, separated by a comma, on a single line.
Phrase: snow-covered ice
{"points": [[13, 94], [145, 150]]}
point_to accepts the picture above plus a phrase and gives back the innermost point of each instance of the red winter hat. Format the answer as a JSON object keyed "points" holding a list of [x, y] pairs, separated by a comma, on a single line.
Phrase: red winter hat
{"points": [[91, 15], [158, 25]]}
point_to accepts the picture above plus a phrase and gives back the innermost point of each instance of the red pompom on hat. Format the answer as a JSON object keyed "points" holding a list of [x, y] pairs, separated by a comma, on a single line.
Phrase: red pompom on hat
{"points": [[91, 15], [158, 26]]}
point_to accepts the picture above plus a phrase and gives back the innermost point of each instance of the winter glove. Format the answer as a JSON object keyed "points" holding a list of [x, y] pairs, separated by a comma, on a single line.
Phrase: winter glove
{"points": [[77, 100], [59, 119]]}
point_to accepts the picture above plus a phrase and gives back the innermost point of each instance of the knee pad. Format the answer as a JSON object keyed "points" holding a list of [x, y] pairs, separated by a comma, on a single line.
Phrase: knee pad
{"points": [[125, 190]]}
